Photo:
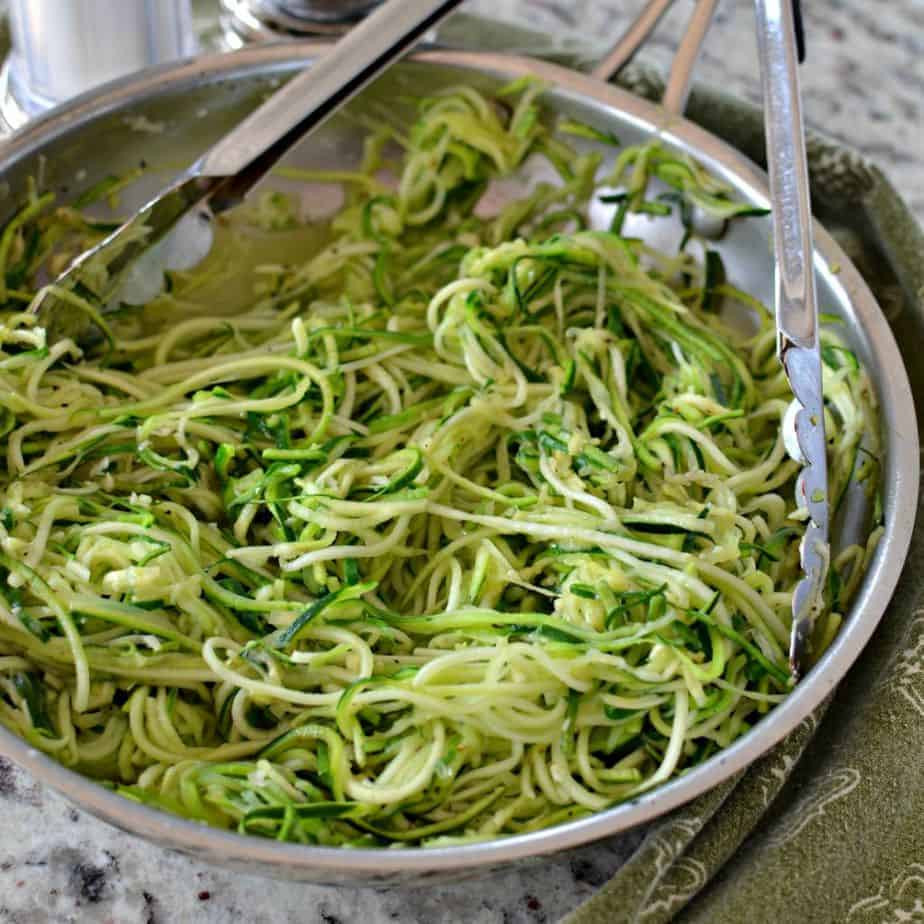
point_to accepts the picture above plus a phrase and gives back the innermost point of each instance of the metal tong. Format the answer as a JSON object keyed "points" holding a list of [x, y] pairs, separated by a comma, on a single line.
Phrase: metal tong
{"points": [[797, 342], [781, 47], [223, 176]]}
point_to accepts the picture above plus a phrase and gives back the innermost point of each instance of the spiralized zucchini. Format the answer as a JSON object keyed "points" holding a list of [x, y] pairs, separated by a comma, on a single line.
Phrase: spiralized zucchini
{"points": [[460, 525]]}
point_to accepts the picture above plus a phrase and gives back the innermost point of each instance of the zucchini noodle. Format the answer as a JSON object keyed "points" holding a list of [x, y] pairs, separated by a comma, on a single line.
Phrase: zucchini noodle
{"points": [[438, 526]]}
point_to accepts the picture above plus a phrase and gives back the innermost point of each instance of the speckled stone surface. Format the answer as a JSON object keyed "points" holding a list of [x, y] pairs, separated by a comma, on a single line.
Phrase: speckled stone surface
{"points": [[61, 866], [864, 85]]}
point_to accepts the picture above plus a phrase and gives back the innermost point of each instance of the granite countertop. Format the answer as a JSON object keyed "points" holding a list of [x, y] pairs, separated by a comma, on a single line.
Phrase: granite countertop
{"points": [[863, 84]]}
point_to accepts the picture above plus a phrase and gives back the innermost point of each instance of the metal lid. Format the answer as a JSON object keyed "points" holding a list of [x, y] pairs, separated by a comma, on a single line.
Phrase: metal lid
{"points": [[61, 48], [323, 10], [247, 22]]}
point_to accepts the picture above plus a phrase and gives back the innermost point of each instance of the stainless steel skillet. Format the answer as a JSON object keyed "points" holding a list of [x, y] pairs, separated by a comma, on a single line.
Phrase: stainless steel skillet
{"points": [[167, 117]]}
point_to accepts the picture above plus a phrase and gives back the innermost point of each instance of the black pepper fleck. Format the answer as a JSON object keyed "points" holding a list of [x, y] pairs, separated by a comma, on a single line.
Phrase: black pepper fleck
{"points": [[89, 882], [150, 908], [7, 778]]}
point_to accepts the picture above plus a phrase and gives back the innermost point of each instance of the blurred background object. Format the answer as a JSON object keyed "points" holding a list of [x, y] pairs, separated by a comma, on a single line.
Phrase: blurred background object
{"points": [[245, 21], [63, 47]]}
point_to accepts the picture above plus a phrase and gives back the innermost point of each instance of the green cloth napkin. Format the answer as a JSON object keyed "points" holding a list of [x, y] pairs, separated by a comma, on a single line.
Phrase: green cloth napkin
{"points": [[828, 827]]}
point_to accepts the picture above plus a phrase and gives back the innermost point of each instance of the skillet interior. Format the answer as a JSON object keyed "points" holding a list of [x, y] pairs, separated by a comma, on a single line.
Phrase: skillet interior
{"points": [[165, 118]]}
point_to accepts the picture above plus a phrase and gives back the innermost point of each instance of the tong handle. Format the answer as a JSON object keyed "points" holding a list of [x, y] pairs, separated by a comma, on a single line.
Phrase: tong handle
{"points": [[680, 80], [678, 84], [796, 309], [631, 40], [786, 160], [253, 147]]}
